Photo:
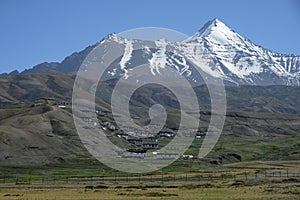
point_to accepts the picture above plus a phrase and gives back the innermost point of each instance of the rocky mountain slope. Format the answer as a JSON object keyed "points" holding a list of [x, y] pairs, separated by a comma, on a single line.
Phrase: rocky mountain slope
{"points": [[34, 136], [26, 88], [40, 135]]}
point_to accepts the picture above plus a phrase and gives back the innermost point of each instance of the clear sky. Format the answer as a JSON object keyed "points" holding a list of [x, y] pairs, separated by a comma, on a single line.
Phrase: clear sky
{"points": [[35, 31]]}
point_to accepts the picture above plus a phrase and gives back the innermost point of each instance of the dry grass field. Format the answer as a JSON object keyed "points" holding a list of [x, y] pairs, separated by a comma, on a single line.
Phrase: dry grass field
{"points": [[225, 190], [268, 183]]}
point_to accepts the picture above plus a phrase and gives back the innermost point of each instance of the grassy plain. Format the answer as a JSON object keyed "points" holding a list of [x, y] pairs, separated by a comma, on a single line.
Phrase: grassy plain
{"points": [[216, 190]]}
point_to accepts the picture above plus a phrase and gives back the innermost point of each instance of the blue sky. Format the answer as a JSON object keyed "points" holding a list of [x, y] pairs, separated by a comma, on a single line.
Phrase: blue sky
{"points": [[36, 31]]}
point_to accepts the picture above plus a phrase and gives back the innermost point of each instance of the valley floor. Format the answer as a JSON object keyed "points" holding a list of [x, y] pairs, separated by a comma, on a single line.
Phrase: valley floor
{"points": [[243, 180], [220, 190]]}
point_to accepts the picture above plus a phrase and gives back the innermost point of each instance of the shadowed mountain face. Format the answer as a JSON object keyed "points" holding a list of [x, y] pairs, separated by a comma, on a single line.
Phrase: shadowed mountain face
{"points": [[69, 65], [28, 87], [40, 135]]}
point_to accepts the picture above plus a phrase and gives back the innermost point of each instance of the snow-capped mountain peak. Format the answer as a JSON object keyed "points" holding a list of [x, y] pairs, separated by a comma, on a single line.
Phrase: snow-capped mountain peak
{"points": [[216, 49], [237, 57], [114, 37], [219, 51], [214, 28]]}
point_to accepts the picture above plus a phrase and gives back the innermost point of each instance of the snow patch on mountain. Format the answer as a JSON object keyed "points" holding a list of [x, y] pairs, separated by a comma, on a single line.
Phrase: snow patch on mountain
{"points": [[126, 56], [159, 58], [197, 55], [179, 60]]}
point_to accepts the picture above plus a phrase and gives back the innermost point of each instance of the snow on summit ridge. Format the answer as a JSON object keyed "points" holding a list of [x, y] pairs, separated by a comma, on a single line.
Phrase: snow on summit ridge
{"points": [[216, 49], [210, 27], [239, 60]]}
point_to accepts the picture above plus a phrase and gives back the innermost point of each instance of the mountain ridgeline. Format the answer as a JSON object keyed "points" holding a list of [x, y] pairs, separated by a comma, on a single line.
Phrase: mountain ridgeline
{"points": [[215, 49]]}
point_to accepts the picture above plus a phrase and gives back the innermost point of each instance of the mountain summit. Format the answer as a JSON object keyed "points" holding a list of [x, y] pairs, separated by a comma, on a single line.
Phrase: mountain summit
{"points": [[243, 59], [215, 48], [214, 26]]}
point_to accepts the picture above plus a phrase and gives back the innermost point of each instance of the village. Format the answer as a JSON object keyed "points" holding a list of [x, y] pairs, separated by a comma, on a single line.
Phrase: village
{"points": [[51, 102], [148, 145], [145, 145]]}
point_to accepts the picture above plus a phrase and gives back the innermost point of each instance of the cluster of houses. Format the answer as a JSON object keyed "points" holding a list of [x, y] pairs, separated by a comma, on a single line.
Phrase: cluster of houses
{"points": [[157, 155], [109, 126], [50, 101], [145, 142], [89, 121], [151, 143]]}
